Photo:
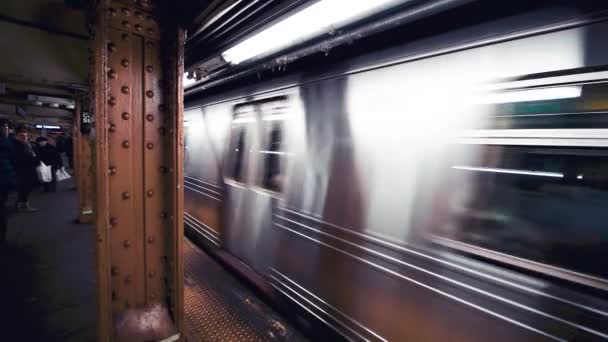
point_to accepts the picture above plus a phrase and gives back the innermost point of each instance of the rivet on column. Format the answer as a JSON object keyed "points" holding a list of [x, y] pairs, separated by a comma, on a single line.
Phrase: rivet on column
{"points": [[126, 195], [112, 47], [126, 11], [124, 63], [126, 243], [138, 28], [150, 30], [150, 239], [149, 68], [151, 274], [113, 221], [150, 44], [126, 144], [128, 279], [150, 193], [125, 116], [124, 89], [112, 100], [112, 127], [150, 93], [126, 24], [114, 270], [112, 12], [112, 170], [139, 15], [150, 145], [150, 117], [161, 108], [112, 74]]}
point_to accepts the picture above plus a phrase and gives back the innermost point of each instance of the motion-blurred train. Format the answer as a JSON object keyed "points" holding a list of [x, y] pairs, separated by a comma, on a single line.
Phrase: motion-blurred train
{"points": [[450, 188]]}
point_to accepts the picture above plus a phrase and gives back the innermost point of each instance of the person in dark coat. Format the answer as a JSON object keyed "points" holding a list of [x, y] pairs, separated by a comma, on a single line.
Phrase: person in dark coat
{"points": [[26, 162], [49, 155], [68, 147], [7, 175]]}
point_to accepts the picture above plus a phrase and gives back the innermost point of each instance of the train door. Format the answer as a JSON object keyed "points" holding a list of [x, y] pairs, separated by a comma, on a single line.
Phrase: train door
{"points": [[253, 178]]}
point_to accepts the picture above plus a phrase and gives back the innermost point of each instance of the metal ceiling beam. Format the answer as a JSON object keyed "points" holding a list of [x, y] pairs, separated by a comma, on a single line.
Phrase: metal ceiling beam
{"points": [[42, 83], [42, 27]]}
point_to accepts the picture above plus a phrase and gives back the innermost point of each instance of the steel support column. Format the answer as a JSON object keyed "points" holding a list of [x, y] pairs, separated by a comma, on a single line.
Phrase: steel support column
{"points": [[83, 165], [138, 147]]}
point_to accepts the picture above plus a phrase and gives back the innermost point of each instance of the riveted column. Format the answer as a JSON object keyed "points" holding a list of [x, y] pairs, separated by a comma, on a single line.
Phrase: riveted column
{"points": [[138, 117], [83, 159]]}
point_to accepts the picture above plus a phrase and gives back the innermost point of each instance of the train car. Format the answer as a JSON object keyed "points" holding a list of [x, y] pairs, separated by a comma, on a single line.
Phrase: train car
{"points": [[449, 188]]}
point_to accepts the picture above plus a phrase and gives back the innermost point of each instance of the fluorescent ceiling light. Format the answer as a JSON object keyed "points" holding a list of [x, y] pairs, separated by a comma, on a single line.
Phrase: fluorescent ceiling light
{"points": [[70, 107], [314, 20], [528, 95], [188, 82], [48, 126]]}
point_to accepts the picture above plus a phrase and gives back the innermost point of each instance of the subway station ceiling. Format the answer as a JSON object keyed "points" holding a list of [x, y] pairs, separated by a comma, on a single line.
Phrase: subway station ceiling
{"points": [[44, 60]]}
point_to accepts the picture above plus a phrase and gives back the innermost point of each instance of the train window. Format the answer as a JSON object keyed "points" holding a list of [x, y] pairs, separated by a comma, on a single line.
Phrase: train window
{"points": [[271, 177], [238, 154], [243, 115], [547, 205], [273, 116], [571, 106]]}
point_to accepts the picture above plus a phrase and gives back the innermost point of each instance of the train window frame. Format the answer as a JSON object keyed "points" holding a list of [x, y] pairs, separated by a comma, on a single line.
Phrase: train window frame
{"points": [[240, 120], [596, 138], [276, 118]]}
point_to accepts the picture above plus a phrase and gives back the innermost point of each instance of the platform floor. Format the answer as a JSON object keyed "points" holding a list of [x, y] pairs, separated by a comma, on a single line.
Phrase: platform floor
{"points": [[219, 308], [47, 289], [47, 285]]}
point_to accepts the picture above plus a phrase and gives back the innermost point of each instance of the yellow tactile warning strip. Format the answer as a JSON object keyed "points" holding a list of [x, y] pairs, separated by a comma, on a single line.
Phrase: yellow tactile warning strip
{"points": [[219, 308]]}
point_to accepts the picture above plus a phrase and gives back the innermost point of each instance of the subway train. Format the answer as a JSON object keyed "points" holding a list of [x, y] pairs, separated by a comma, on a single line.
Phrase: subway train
{"points": [[453, 187]]}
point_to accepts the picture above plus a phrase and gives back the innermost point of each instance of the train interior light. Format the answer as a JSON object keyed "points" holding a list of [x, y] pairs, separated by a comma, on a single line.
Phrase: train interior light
{"points": [[528, 95], [323, 16]]}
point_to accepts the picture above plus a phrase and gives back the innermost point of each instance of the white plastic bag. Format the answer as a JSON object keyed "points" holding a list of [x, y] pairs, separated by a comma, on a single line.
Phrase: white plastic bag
{"points": [[44, 172], [62, 174]]}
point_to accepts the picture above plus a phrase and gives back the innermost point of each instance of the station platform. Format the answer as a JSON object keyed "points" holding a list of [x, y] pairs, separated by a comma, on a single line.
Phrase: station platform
{"points": [[47, 291]]}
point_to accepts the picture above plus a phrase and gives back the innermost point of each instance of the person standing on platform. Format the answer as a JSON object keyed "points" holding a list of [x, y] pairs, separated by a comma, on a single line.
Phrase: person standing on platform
{"points": [[69, 150], [7, 175], [25, 166], [49, 155]]}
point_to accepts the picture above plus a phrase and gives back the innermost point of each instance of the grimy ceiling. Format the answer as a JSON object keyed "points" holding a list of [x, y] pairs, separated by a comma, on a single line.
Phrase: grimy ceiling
{"points": [[43, 44]]}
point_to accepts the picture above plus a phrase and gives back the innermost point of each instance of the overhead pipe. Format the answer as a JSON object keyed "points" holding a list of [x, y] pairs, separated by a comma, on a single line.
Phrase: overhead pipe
{"points": [[392, 21]]}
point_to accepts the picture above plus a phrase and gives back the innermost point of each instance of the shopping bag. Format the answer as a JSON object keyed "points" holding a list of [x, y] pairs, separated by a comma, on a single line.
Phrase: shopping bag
{"points": [[44, 172], [62, 174]]}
